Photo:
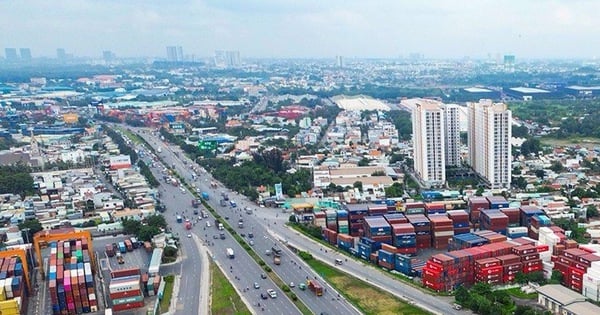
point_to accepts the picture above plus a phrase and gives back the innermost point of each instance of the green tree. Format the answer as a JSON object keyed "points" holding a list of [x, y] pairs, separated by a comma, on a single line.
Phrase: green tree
{"points": [[592, 211], [556, 277], [156, 220], [394, 191], [359, 185], [131, 226], [557, 167], [531, 146], [33, 225], [363, 162], [479, 192], [147, 232], [540, 174], [462, 295]]}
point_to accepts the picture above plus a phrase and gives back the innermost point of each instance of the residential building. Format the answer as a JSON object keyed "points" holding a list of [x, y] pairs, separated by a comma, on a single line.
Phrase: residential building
{"points": [[489, 142], [25, 54], [452, 134], [175, 53], [428, 123], [11, 54]]}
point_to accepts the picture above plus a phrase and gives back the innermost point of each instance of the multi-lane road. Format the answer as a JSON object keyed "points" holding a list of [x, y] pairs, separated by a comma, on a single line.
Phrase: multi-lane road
{"points": [[269, 227]]}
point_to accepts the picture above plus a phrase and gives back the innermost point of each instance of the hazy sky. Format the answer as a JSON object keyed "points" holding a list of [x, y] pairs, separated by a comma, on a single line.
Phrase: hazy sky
{"points": [[305, 28]]}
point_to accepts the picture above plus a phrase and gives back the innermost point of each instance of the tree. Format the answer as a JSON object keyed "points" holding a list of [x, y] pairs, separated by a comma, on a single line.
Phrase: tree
{"points": [[156, 220], [394, 191], [359, 185], [540, 174], [479, 192], [147, 232], [557, 167], [131, 226], [531, 146], [34, 226], [592, 211], [462, 295], [556, 277], [519, 182], [363, 162]]}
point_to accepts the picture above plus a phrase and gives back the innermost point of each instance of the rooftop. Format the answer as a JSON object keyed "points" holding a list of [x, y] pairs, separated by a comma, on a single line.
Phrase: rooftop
{"points": [[477, 90], [582, 308], [561, 294], [528, 90]]}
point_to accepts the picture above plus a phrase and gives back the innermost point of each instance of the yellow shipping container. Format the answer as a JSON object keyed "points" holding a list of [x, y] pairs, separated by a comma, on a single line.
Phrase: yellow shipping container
{"points": [[8, 304], [2, 294], [10, 312]]}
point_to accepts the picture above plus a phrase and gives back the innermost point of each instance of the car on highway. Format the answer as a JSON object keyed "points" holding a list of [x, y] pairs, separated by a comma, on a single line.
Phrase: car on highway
{"points": [[263, 276], [250, 235], [189, 235], [292, 285], [264, 296], [272, 293], [256, 285], [207, 224], [302, 286], [251, 243], [216, 236]]}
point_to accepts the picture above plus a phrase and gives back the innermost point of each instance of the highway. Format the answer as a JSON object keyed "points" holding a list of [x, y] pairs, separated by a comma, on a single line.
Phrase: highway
{"points": [[242, 271], [268, 217]]}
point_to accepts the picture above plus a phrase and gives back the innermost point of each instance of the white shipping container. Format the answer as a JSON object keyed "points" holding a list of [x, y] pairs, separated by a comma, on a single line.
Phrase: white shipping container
{"points": [[8, 285], [546, 231], [591, 293], [517, 229], [53, 250], [443, 233], [121, 288], [80, 272], [87, 268], [546, 256], [52, 268]]}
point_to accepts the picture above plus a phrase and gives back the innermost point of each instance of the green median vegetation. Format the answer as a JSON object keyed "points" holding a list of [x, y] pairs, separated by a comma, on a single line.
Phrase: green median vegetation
{"points": [[224, 298], [367, 298], [167, 293]]}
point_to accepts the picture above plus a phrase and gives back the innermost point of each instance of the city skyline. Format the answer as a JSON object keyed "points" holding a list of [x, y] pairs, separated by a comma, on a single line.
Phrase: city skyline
{"points": [[309, 29]]}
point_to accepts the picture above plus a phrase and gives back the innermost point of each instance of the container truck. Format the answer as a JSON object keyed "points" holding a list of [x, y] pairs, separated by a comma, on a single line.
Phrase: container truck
{"points": [[230, 254], [204, 214], [188, 225], [128, 245], [179, 219], [315, 287], [205, 195], [225, 196], [195, 203], [122, 248], [110, 251]]}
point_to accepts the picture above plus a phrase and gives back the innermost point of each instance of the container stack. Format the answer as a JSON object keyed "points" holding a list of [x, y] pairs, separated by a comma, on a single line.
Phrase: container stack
{"points": [[591, 282], [538, 221], [330, 236], [460, 221], [366, 247], [126, 292], [497, 202], [550, 238], [527, 212], [393, 218], [70, 278], [530, 258], [153, 284], [320, 219], [511, 265], [342, 222], [345, 241], [422, 229], [442, 230], [414, 208], [385, 259], [13, 293], [574, 264], [356, 215], [493, 220], [467, 240], [475, 205], [444, 272], [404, 238], [514, 216], [331, 219], [377, 210], [491, 236], [408, 265], [378, 229], [435, 208], [516, 232], [488, 270]]}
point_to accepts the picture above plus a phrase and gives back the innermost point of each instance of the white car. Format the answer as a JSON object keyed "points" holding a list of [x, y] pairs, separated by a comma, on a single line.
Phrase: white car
{"points": [[189, 235], [272, 293]]}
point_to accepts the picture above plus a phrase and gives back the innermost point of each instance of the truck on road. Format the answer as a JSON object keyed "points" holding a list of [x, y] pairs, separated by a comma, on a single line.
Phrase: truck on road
{"points": [[277, 259], [241, 224], [248, 210], [314, 286], [230, 254], [188, 224], [196, 203], [232, 203], [205, 195]]}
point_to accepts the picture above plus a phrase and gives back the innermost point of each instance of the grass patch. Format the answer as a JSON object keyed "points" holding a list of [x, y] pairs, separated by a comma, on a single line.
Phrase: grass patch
{"points": [[224, 299], [167, 293], [369, 299], [516, 292]]}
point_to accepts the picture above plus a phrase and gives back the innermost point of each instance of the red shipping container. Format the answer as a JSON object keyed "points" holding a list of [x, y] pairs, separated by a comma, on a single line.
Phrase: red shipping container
{"points": [[529, 257], [490, 271], [487, 263], [124, 294], [128, 306]]}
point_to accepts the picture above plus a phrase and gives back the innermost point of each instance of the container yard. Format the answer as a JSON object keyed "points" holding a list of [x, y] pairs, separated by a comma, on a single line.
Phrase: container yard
{"points": [[14, 285]]}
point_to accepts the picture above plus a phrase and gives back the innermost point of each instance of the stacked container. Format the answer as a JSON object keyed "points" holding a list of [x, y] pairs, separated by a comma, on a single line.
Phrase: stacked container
{"points": [[345, 241], [378, 229], [516, 232], [537, 222], [385, 259], [408, 265], [13, 293], [366, 247], [126, 293], [404, 238], [467, 240], [331, 219], [497, 202], [70, 278], [491, 236], [460, 221], [488, 270], [414, 208], [514, 216], [393, 218], [511, 265], [356, 215], [591, 282], [493, 220], [422, 229], [530, 258], [377, 210], [320, 219], [330, 236], [475, 205], [527, 212], [435, 208], [342, 222], [442, 230]]}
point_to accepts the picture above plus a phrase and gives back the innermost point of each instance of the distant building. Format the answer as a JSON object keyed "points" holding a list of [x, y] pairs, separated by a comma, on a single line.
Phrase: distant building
{"points": [[339, 61], [174, 53], [61, 54], [11, 54], [25, 54], [108, 56], [490, 132], [509, 60], [227, 58]]}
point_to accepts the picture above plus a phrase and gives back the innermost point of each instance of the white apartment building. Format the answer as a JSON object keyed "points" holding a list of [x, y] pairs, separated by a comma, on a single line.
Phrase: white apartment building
{"points": [[428, 123], [489, 142], [452, 134]]}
